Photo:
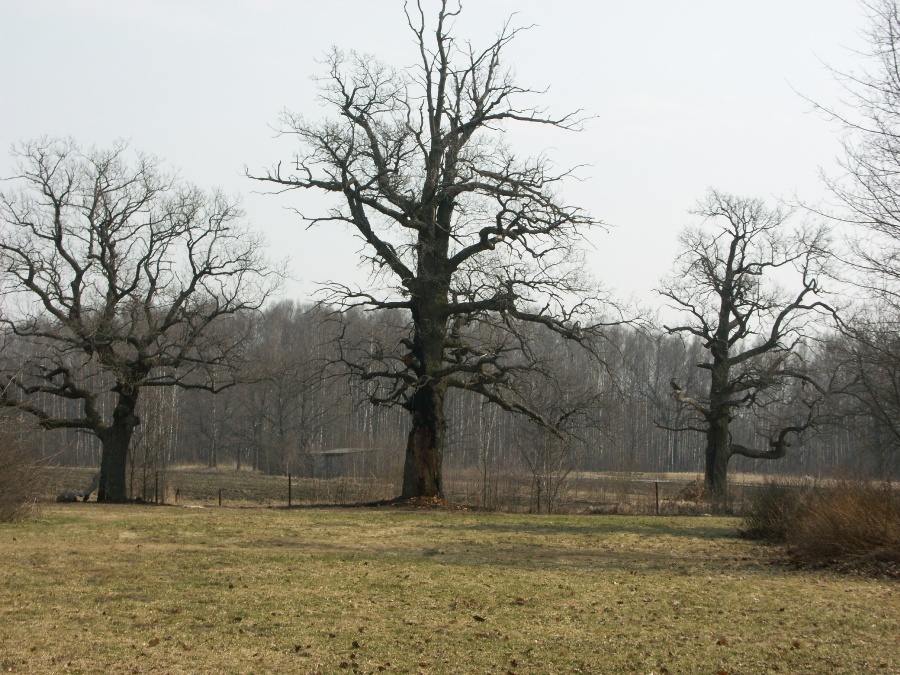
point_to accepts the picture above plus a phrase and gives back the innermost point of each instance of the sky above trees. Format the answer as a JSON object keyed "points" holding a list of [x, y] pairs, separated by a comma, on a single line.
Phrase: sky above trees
{"points": [[681, 97]]}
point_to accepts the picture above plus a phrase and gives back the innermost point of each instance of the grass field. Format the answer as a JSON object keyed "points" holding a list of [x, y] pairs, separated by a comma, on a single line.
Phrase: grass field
{"points": [[116, 589]]}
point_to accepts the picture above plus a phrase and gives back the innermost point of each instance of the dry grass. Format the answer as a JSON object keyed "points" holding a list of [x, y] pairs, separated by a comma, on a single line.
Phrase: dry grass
{"points": [[775, 506], [21, 480], [849, 525], [852, 522], [95, 588]]}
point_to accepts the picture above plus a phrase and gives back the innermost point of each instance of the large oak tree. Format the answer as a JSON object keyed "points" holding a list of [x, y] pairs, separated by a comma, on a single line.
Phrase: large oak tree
{"points": [[116, 275], [748, 288], [472, 244]]}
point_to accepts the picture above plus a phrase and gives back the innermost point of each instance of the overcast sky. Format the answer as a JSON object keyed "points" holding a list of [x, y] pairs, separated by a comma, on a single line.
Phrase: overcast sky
{"points": [[684, 95]]}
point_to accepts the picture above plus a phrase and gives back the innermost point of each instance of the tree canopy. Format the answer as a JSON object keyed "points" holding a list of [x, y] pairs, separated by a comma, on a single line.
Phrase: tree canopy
{"points": [[116, 275], [473, 244]]}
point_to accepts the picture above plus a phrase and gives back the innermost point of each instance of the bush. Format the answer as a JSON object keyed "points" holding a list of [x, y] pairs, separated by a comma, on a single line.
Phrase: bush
{"points": [[21, 480], [773, 507], [849, 525], [852, 521]]}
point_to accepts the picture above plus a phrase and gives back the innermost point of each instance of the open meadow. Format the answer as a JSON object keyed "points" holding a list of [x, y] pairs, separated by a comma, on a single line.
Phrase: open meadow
{"points": [[95, 588]]}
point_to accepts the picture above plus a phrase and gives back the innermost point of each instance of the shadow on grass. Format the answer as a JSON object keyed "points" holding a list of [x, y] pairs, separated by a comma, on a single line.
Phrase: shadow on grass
{"points": [[645, 527], [525, 556], [586, 543]]}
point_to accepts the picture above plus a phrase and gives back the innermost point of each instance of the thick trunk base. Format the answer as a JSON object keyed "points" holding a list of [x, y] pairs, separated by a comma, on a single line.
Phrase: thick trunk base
{"points": [[115, 441], [113, 470], [716, 480], [717, 456], [422, 475]]}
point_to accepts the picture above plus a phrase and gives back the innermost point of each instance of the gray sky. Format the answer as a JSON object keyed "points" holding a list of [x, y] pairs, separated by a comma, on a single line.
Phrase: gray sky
{"points": [[684, 96]]}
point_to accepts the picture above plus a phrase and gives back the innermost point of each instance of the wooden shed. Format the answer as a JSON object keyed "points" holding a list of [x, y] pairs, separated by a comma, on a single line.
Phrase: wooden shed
{"points": [[341, 463]]}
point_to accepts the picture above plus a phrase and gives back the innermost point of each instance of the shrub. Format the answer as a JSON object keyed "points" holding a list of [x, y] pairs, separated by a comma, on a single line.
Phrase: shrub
{"points": [[849, 522], [773, 507], [849, 525], [21, 480]]}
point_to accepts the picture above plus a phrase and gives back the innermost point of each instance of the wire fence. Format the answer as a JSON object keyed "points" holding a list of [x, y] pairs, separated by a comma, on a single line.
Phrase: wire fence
{"points": [[591, 493]]}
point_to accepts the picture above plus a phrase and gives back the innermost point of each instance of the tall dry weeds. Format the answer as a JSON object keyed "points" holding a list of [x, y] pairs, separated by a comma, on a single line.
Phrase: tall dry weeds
{"points": [[773, 507], [852, 520], [850, 524], [21, 479]]}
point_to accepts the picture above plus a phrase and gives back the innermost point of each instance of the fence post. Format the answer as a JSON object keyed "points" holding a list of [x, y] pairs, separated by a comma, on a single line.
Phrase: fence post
{"points": [[156, 489], [289, 489], [177, 494], [656, 485], [220, 496]]}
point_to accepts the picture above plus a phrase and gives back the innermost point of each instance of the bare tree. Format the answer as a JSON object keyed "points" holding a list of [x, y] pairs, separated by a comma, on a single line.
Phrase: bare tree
{"points": [[869, 186], [290, 352], [868, 189], [117, 276], [471, 243], [866, 356], [731, 285]]}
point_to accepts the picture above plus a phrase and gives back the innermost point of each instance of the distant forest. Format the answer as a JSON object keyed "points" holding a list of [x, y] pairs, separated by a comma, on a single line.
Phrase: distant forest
{"points": [[301, 402]]}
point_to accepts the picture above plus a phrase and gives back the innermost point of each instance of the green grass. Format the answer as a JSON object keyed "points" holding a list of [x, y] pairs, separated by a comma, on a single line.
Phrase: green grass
{"points": [[95, 588]]}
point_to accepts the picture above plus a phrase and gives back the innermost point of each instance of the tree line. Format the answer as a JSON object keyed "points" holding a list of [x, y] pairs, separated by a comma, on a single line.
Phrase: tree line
{"points": [[301, 403]]}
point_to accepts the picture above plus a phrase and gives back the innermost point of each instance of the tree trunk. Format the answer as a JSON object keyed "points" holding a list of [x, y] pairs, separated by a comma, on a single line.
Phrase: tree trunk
{"points": [[718, 419], [213, 459], [115, 440], [425, 445], [256, 444], [718, 452]]}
